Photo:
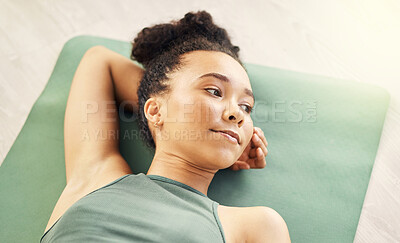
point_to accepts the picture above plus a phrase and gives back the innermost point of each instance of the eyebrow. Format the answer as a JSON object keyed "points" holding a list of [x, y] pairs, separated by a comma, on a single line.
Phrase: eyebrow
{"points": [[227, 80]]}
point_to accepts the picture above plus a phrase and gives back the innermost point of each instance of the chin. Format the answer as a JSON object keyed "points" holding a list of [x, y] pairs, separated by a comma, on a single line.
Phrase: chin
{"points": [[227, 155]]}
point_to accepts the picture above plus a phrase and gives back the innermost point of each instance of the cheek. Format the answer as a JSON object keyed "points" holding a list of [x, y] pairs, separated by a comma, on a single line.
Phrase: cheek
{"points": [[209, 112], [190, 115], [180, 109], [248, 130], [203, 112]]}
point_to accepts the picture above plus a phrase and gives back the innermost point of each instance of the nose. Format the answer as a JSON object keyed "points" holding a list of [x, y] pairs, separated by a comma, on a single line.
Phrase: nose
{"points": [[232, 113]]}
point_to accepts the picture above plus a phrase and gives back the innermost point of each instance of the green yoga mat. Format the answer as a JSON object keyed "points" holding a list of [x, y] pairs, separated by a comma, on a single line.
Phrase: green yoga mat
{"points": [[323, 135]]}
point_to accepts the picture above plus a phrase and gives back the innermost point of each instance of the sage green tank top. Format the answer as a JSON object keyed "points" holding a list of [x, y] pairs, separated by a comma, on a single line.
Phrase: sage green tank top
{"points": [[140, 208]]}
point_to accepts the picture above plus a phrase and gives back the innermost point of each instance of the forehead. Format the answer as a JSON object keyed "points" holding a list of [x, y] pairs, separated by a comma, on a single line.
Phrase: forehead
{"points": [[198, 63]]}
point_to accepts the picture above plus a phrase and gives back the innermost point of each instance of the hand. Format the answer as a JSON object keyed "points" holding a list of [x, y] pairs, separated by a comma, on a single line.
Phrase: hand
{"points": [[254, 154]]}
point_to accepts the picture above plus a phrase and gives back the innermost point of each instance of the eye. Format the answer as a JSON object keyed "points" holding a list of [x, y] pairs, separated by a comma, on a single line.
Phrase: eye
{"points": [[247, 108], [215, 92]]}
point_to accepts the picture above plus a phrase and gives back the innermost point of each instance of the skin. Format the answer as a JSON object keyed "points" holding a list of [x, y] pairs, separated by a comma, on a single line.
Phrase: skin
{"points": [[186, 150]]}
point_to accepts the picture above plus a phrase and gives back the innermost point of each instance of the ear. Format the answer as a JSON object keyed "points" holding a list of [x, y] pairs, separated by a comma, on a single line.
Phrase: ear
{"points": [[152, 111]]}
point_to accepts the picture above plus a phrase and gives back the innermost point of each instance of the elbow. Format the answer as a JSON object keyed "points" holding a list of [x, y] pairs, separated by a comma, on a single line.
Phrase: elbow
{"points": [[96, 52]]}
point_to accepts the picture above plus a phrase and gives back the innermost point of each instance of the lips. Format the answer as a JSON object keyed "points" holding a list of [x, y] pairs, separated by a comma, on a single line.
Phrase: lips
{"points": [[229, 133]]}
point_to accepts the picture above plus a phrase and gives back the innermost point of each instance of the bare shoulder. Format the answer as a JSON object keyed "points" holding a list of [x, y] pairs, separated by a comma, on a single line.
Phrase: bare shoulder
{"points": [[266, 225], [253, 224]]}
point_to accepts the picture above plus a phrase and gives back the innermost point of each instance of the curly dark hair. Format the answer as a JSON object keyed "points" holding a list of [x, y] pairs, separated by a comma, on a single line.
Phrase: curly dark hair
{"points": [[159, 48]]}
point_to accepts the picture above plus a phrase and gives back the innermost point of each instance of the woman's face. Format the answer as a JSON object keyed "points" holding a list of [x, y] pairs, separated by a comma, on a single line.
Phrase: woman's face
{"points": [[209, 94]]}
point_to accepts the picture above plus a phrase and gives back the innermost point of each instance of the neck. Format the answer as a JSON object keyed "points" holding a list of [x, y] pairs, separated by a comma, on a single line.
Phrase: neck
{"points": [[179, 169]]}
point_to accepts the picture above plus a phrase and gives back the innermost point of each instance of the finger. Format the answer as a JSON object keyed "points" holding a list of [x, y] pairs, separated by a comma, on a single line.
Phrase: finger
{"points": [[259, 143], [261, 135], [260, 162], [253, 153], [241, 165], [234, 167]]}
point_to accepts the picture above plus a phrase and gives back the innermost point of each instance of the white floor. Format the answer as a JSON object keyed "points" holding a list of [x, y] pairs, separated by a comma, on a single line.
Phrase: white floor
{"points": [[351, 39]]}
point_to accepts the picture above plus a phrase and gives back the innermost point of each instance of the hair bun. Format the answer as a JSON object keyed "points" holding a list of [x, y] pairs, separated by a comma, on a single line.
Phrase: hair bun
{"points": [[153, 41], [200, 18]]}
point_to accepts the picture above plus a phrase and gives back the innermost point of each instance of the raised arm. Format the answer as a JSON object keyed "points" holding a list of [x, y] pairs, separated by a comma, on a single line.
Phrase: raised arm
{"points": [[102, 81]]}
